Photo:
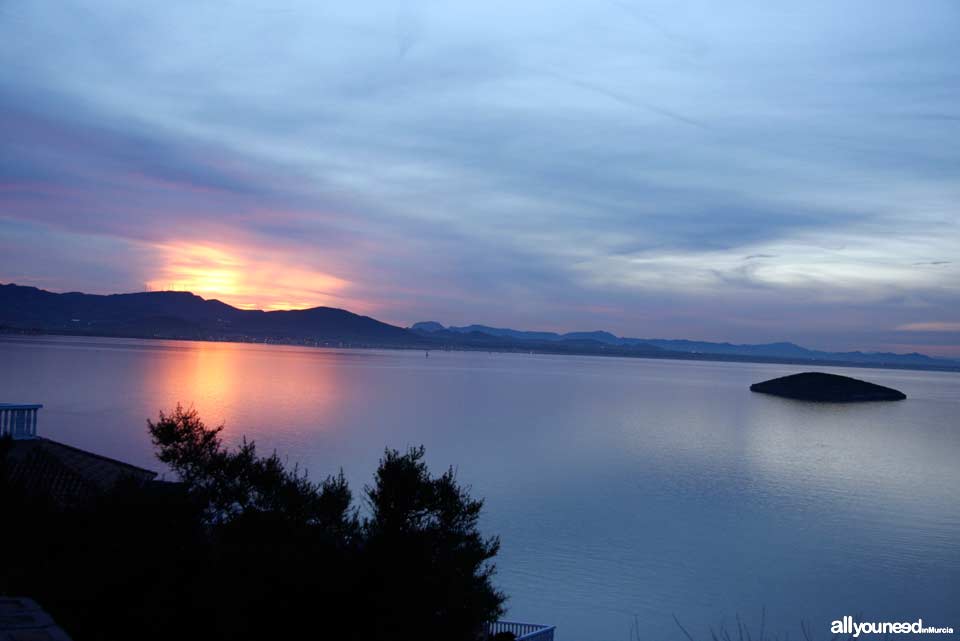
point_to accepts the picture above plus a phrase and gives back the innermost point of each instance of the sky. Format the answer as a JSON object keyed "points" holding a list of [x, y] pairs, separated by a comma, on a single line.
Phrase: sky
{"points": [[736, 171]]}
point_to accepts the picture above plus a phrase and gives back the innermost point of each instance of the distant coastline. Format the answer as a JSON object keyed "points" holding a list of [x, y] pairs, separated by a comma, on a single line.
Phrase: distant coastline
{"points": [[671, 356], [175, 315]]}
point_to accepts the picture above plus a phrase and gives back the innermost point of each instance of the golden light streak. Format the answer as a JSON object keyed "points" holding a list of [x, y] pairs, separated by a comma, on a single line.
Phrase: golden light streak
{"points": [[216, 379], [248, 278]]}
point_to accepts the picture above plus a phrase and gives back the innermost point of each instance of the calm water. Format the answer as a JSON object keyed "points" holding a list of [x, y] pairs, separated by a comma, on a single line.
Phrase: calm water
{"points": [[621, 488]]}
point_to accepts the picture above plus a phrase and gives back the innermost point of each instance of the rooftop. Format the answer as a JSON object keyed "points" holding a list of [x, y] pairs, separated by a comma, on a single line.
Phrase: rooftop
{"points": [[22, 619], [65, 473]]}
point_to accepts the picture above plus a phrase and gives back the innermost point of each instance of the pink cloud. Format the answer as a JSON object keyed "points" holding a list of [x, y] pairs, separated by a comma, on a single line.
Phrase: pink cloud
{"points": [[934, 326]]}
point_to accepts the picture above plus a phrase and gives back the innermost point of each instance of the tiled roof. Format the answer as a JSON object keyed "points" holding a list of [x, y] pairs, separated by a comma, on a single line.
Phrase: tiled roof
{"points": [[67, 474], [23, 620]]}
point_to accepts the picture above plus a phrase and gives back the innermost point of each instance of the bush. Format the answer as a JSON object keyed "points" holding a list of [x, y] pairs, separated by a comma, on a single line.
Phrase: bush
{"points": [[245, 548]]}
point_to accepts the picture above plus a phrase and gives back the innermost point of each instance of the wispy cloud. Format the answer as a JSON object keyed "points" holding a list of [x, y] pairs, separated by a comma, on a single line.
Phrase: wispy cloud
{"points": [[564, 164], [932, 326]]}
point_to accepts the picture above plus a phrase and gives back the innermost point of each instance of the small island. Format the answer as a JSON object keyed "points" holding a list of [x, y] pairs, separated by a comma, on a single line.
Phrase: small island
{"points": [[833, 388]]}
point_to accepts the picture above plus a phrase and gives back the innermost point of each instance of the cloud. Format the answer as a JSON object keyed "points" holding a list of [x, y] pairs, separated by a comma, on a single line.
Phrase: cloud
{"points": [[932, 326], [510, 163], [247, 277]]}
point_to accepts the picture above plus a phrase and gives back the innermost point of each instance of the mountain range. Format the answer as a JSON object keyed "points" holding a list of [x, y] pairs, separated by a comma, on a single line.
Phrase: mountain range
{"points": [[183, 315], [780, 350]]}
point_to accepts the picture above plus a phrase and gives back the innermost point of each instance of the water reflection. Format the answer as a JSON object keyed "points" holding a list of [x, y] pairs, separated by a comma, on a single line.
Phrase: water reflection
{"points": [[619, 486], [276, 394]]}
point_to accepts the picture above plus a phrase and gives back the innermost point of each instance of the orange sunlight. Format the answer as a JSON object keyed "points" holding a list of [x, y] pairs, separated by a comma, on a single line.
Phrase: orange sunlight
{"points": [[216, 379], [245, 278]]}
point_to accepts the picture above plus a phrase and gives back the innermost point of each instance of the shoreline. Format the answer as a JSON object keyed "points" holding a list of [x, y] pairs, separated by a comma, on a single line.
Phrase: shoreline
{"points": [[612, 352]]}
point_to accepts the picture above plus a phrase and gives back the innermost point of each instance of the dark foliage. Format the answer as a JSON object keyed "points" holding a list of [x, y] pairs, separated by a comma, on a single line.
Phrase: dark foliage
{"points": [[245, 548], [433, 521]]}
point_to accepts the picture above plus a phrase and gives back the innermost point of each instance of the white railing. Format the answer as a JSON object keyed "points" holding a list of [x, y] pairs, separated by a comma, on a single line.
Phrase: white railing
{"points": [[522, 631], [18, 421]]}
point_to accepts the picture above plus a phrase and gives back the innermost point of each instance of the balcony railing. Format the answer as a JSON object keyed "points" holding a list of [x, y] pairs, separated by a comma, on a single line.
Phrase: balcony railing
{"points": [[522, 631], [18, 421]]}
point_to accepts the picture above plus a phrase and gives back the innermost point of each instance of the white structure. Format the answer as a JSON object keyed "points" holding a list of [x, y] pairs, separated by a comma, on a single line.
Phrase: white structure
{"points": [[18, 420], [522, 631]]}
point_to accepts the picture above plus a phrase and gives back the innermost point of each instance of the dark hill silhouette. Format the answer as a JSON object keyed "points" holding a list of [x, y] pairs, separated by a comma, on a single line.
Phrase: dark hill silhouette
{"points": [[818, 386], [503, 332], [427, 326], [780, 351], [184, 315]]}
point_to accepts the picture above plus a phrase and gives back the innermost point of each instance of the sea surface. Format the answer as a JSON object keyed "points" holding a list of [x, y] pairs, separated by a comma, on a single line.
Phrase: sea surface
{"points": [[625, 491]]}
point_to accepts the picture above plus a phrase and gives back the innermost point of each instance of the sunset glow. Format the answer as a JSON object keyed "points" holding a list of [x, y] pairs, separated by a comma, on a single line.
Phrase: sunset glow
{"points": [[396, 320], [244, 278], [211, 378], [759, 178]]}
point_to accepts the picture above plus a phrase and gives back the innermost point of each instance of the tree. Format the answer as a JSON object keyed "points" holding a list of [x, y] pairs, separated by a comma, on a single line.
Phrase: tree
{"points": [[235, 485], [431, 571], [244, 547], [416, 566]]}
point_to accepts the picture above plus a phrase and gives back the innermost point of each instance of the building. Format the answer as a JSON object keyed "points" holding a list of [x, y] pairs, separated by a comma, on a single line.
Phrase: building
{"points": [[63, 473]]}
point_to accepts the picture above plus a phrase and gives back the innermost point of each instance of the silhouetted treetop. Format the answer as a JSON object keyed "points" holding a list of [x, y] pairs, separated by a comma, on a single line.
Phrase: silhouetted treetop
{"points": [[284, 548], [240, 483]]}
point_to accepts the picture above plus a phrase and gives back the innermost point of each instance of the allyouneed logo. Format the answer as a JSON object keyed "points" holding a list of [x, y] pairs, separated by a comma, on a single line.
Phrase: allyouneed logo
{"points": [[847, 625]]}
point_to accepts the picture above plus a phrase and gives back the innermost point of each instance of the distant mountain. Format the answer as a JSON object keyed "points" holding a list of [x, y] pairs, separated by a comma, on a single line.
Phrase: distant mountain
{"points": [[793, 351], [427, 326], [185, 315], [766, 351], [498, 331], [601, 337]]}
